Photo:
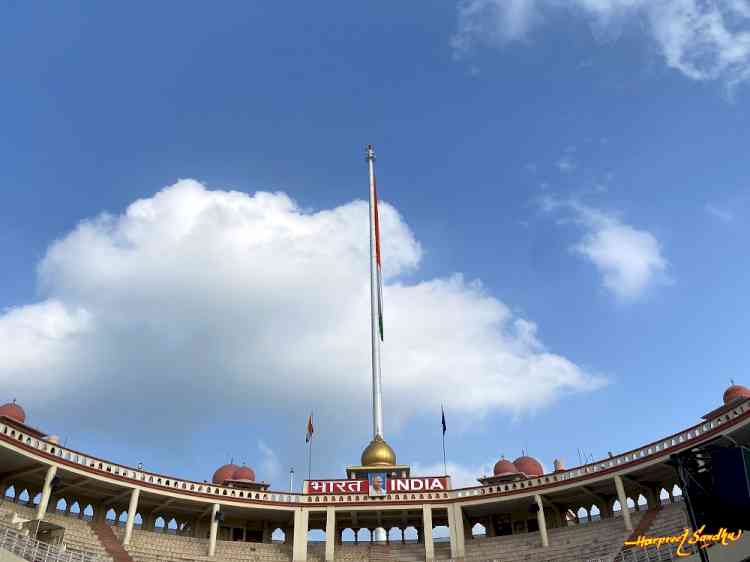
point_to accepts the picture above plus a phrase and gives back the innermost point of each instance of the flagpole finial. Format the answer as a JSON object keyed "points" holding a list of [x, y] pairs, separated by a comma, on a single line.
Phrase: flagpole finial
{"points": [[369, 153]]}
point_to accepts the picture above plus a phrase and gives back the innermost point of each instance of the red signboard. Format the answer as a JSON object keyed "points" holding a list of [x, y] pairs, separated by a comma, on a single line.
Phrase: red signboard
{"points": [[381, 485]]}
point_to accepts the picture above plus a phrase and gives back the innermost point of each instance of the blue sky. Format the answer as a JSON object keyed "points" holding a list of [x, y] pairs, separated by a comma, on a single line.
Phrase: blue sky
{"points": [[566, 196]]}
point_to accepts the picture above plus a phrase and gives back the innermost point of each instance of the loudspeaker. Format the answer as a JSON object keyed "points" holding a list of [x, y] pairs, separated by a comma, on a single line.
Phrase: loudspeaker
{"points": [[731, 477]]}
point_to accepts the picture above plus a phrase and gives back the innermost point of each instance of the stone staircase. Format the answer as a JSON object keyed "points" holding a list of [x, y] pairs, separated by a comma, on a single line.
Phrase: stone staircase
{"points": [[381, 553], [110, 542]]}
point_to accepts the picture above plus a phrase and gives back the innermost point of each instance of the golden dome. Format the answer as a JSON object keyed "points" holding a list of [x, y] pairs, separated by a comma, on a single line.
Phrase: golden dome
{"points": [[378, 453]]}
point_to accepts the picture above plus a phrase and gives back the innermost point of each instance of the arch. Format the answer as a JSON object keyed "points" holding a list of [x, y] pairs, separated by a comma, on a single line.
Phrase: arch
{"points": [[364, 535], [23, 497], [347, 535], [138, 520], [88, 512], [160, 523], [595, 512], [278, 535], [478, 530], [641, 501], [616, 508], [75, 507], [440, 532], [171, 526], [663, 496], [582, 514], [123, 518], [393, 534], [410, 533], [630, 503], [10, 492], [676, 491], [61, 505], [37, 498], [111, 515]]}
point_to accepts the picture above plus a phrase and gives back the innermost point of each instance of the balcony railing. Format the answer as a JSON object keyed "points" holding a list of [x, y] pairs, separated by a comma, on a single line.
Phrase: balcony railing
{"points": [[37, 551]]}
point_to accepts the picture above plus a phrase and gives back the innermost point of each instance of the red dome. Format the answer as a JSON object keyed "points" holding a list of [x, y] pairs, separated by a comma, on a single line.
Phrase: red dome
{"points": [[244, 473], [504, 467], [225, 472], [529, 466], [734, 392], [13, 411]]}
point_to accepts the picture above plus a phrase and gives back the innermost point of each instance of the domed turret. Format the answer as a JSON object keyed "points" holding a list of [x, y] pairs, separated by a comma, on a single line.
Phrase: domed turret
{"points": [[736, 392], [378, 453], [244, 473], [559, 467], [528, 466], [225, 472], [13, 411], [504, 467]]}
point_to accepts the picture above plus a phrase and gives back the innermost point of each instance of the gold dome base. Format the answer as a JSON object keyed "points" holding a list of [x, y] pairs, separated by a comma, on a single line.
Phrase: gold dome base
{"points": [[378, 453]]}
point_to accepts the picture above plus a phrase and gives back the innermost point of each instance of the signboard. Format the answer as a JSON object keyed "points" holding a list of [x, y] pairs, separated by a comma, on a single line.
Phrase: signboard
{"points": [[378, 483]]}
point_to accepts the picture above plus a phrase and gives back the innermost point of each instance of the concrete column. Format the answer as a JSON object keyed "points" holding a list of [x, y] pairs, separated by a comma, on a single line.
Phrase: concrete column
{"points": [[541, 521], [214, 530], [456, 528], [623, 503], [299, 548], [429, 547], [356, 536], [46, 492], [132, 509], [330, 533]]}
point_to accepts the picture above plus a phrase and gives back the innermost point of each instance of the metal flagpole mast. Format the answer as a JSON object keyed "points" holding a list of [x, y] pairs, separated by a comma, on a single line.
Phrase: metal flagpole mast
{"points": [[377, 397]]}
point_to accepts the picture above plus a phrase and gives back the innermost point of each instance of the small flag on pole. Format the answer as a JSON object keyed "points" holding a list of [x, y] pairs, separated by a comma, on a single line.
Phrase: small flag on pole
{"points": [[310, 430], [377, 259], [443, 415]]}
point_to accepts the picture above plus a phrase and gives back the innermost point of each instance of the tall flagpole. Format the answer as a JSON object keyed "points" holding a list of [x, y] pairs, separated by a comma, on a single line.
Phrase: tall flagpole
{"points": [[377, 397]]}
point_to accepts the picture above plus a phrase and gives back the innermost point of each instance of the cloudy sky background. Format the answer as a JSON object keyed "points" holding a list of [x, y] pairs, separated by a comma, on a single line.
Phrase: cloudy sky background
{"points": [[185, 242]]}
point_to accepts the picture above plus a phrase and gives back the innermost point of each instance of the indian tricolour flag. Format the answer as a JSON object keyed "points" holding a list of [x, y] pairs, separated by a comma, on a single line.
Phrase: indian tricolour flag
{"points": [[377, 258]]}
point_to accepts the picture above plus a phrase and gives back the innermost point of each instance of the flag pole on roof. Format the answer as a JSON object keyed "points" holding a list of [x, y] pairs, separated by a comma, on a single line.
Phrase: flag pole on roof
{"points": [[376, 299]]}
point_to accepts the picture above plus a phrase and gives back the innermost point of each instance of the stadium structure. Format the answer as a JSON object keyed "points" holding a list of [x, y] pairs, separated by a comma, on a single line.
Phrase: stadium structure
{"points": [[69, 505]]}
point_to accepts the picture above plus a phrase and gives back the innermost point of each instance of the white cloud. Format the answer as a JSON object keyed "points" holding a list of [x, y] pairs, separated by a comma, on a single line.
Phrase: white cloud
{"points": [[630, 260], [213, 300], [719, 213], [703, 40]]}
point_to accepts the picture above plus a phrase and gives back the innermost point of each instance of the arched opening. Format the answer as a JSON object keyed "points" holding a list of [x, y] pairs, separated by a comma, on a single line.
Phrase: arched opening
{"points": [[10, 492], [61, 505], [316, 535], [410, 534], [347, 535], [642, 502], [138, 521], [677, 493], [75, 508], [172, 526], [123, 519], [663, 497], [394, 535], [594, 512], [478, 531], [88, 512], [23, 497], [364, 535], [441, 532], [583, 515], [278, 536], [616, 509], [160, 524], [631, 504], [110, 516]]}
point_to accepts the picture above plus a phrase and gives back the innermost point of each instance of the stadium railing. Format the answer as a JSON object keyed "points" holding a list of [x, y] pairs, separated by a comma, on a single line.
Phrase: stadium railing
{"points": [[38, 551]]}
